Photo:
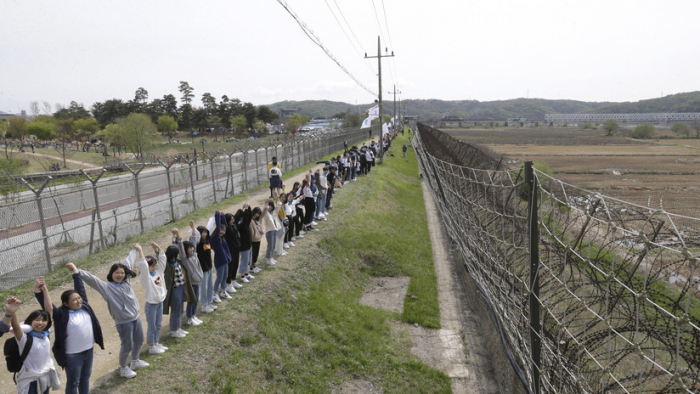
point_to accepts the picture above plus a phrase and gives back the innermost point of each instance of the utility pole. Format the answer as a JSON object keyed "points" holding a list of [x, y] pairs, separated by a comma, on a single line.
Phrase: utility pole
{"points": [[395, 116], [381, 121]]}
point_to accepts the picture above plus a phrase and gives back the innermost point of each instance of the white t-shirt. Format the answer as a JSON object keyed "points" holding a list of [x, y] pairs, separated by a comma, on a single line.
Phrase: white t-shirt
{"points": [[40, 355], [80, 335]]}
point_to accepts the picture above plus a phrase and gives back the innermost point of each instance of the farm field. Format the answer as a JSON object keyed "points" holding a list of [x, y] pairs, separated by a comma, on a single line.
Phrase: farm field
{"points": [[662, 173]]}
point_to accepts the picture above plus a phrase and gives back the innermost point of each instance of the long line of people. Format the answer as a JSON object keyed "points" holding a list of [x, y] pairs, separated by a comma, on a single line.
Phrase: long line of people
{"points": [[178, 280]]}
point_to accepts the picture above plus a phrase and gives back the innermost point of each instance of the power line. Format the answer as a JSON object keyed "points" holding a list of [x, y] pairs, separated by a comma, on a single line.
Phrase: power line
{"points": [[348, 24], [381, 34], [314, 38], [348, 37], [391, 44]]}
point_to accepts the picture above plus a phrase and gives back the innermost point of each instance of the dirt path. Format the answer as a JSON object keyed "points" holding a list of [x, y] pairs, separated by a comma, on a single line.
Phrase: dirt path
{"points": [[459, 328], [59, 159]]}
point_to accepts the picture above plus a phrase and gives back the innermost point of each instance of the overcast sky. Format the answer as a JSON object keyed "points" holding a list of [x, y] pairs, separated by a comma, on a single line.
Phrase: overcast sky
{"points": [[591, 50]]}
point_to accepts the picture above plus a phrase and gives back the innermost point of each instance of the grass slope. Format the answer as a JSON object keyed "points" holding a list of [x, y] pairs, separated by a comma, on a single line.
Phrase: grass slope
{"points": [[300, 328]]}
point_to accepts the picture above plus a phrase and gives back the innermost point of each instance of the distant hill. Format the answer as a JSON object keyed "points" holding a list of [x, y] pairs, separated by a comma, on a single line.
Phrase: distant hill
{"points": [[533, 109]]}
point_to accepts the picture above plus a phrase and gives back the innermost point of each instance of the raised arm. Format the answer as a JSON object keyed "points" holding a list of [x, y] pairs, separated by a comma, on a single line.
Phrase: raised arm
{"points": [[11, 306], [47, 296], [180, 246], [78, 285], [96, 283], [196, 236], [160, 265]]}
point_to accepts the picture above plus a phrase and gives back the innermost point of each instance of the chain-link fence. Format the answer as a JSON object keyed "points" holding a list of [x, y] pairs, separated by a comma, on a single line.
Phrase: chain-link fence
{"points": [[45, 225], [591, 294]]}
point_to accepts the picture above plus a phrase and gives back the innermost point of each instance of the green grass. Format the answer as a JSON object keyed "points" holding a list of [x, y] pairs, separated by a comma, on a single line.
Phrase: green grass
{"points": [[305, 331]]}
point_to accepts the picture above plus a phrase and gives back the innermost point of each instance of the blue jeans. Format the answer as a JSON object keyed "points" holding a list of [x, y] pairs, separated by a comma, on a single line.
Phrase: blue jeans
{"points": [[192, 306], [320, 203], [78, 371], [131, 337], [221, 274], [207, 288], [245, 261], [271, 237], [176, 305], [154, 320]]}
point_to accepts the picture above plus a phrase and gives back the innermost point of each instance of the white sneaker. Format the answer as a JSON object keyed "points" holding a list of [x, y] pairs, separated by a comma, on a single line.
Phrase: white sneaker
{"points": [[301, 232], [292, 244], [237, 285], [180, 330], [244, 280], [196, 319], [257, 270], [177, 334], [299, 236], [225, 295], [313, 223], [159, 345], [230, 288], [207, 309], [286, 245], [138, 364], [193, 322], [155, 350], [127, 373], [216, 298], [293, 239], [214, 307], [270, 262], [273, 260]]}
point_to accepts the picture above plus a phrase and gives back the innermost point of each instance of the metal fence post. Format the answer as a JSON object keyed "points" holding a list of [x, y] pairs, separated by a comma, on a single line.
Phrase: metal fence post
{"points": [[196, 165], [138, 191], [97, 203], [213, 177], [534, 301], [40, 207], [230, 173], [170, 189], [189, 166]]}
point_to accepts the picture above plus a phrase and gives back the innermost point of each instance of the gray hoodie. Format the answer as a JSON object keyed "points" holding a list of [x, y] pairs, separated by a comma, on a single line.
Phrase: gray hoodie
{"points": [[121, 301], [194, 269]]}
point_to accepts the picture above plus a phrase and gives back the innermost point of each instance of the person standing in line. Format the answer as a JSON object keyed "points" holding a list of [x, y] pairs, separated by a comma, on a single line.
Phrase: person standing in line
{"points": [[188, 256], [345, 145], [124, 308], [204, 256], [179, 286], [153, 282], [233, 240], [270, 225], [256, 233], [275, 176], [222, 257], [77, 330], [242, 219]]}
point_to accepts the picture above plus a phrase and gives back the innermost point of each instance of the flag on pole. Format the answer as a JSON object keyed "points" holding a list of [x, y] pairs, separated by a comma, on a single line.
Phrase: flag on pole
{"points": [[373, 113], [385, 129]]}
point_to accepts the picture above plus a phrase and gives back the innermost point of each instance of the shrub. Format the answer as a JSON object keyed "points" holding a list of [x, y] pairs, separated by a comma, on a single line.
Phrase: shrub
{"points": [[644, 131]]}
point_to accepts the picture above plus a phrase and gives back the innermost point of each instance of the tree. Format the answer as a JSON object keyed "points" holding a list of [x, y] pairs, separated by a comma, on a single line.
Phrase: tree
{"points": [[169, 105], [611, 126], [259, 125], [186, 91], [681, 129], [295, 121], [85, 127], [239, 123], [109, 111], [41, 129], [65, 133], [644, 131], [166, 124], [34, 108], [696, 126], [209, 103], [250, 114], [17, 127], [186, 112], [46, 108], [352, 119], [200, 119], [266, 114], [74, 111], [141, 96], [139, 133], [3, 128], [228, 109], [114, 135]]}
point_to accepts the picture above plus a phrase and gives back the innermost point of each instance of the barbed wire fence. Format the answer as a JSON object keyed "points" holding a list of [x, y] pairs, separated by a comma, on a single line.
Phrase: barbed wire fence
{"points": [[592, 294], [44, 225]]}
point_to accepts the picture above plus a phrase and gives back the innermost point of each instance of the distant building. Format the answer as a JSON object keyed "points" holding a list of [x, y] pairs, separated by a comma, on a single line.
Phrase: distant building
{"points": [[288, 112], [6, 115]]}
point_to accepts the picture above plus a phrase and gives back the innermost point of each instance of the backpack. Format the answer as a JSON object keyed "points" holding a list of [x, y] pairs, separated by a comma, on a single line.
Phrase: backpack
{"points": [[13, 359]]}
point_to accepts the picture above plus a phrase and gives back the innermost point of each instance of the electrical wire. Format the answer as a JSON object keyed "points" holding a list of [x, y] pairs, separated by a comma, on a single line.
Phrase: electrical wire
{"points": [[314, 38], [391, 44], [348, 37]]}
